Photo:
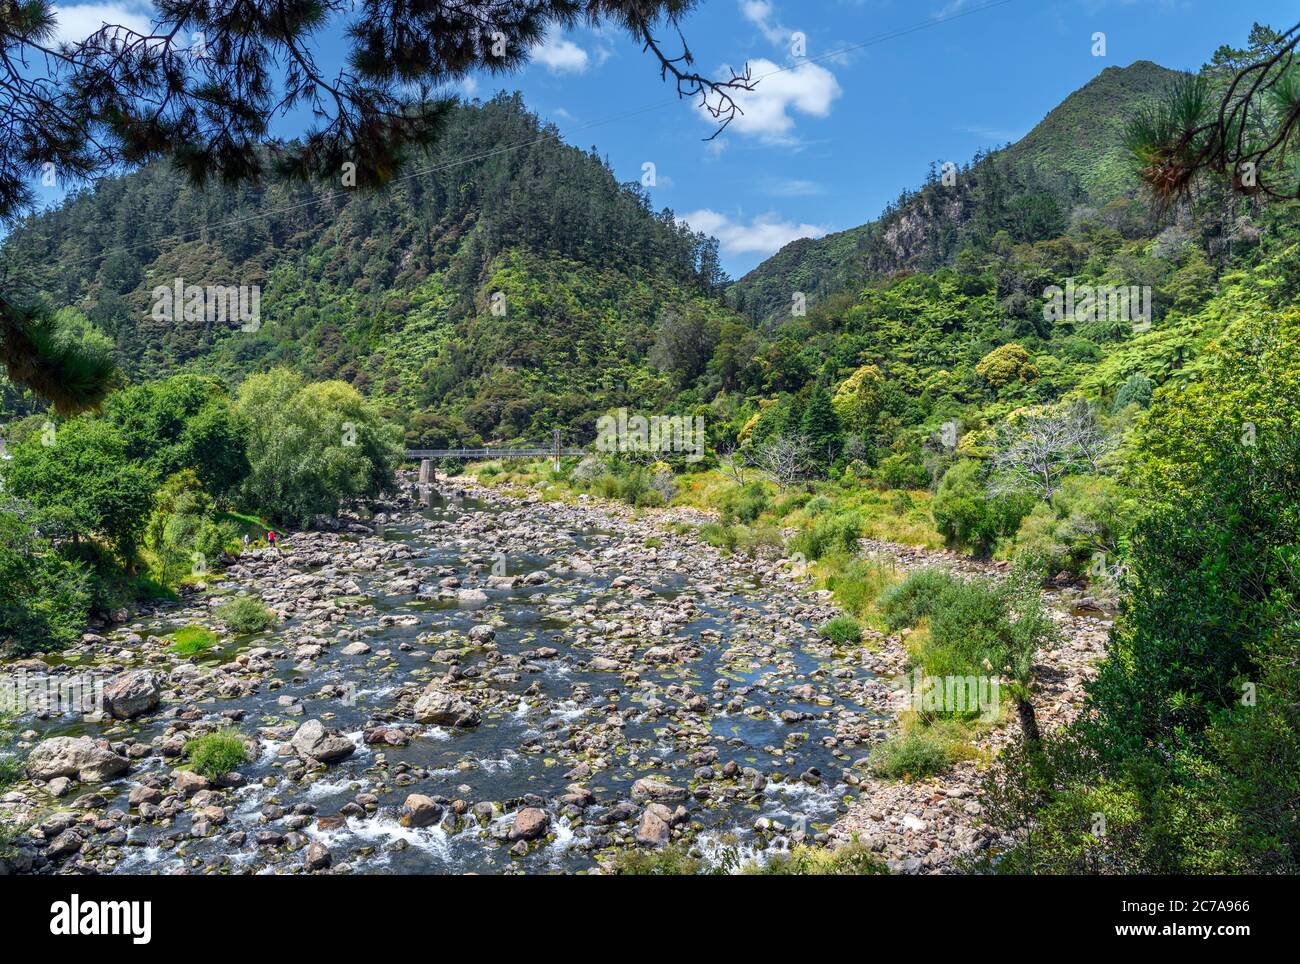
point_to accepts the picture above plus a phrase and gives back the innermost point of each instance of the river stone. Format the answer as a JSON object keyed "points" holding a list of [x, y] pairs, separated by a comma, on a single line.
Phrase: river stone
{"points": [[650, 789], [315, 741], [654, 830], [129, 694], [188, 783], [64, 845], [441, 708], [355, 649], [317, 857], [80, 757], [418, 811], [530, 823]]}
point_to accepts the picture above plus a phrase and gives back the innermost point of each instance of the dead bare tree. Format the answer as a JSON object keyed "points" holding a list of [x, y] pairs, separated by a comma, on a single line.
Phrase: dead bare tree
{"points": [[786, 457], [1036, 452]]}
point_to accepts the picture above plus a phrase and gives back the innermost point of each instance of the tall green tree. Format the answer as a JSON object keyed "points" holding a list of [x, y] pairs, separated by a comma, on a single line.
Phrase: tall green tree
{"points": [[311, 446], [184, 422], [82, 484], [44, 598], [820, 425]]}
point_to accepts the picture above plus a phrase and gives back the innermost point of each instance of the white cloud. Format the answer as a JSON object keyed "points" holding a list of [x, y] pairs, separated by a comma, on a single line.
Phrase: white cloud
{"points": [[806, 88], [79, 21], [561, 56], [759, 13], [765, 234]]}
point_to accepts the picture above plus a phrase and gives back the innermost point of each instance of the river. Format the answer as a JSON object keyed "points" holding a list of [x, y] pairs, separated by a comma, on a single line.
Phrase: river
{"points": [[631, 652]]}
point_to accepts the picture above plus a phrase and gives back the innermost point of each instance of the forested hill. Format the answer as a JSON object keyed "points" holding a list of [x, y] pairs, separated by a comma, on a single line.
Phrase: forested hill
{"points": [[1074, 156], [393, 290], [1084, 134], [509, 285]]}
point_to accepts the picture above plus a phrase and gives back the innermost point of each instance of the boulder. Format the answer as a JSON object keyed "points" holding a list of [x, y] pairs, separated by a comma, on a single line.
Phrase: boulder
{"points": [[64, 845], [656, 790], [129, 694], [530, 823], [441, 708], [188, 783], [418, 811], [315, 741], [654, 830], [317, 857], [79, 757]]}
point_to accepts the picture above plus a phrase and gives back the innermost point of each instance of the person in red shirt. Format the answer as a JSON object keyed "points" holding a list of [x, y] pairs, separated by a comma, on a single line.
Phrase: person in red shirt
{"points": [[271, 537]]}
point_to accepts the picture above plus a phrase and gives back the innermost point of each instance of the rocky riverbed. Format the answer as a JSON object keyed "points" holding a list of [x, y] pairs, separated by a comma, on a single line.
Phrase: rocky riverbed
{"points": [[491, 683]]}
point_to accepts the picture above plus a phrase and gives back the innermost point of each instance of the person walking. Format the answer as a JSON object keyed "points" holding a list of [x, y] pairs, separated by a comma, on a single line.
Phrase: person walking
{"points": [[271, 538]]}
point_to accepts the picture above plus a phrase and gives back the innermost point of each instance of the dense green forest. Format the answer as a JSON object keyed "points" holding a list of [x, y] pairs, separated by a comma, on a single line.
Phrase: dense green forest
{"points": [[393, 291]]}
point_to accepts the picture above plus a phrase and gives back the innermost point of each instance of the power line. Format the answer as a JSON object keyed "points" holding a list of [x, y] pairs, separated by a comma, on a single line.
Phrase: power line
{"points": [[508, 148]]}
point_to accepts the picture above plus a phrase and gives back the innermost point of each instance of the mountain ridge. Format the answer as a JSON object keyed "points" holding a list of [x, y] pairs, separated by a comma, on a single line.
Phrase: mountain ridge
{"points": [[1052, 156]]}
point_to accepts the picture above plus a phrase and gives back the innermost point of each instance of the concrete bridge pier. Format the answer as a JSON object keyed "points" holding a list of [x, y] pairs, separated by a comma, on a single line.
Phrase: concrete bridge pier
{"points": [[427, 473]]}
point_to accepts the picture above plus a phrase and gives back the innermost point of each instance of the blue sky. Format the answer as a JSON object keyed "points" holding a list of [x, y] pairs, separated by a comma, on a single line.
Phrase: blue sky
{"points": [[886, 87]]}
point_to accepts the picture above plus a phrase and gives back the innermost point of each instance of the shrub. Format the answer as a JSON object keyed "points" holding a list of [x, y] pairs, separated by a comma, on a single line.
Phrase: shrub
{"points": [[1006, 364], [971, 518], [193, 640], [636, 485], [245, 614], [216, 754], [828, 534], [902, 471], [11, 767], [753, 540], [1085, 516], [857, 583], [751, 502], [843, 631], [817, 505], [586, 471], [789, 503], [182, 525], [919, 752], [672, 861], [1138, 390], [852, 859], [11, 770], [913, 599], [663, 485], [719, 536], [970, 626], [901, 503]]}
